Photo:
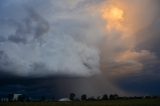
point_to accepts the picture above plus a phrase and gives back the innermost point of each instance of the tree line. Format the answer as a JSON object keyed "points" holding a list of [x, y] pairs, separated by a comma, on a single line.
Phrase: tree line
{"points": [[107, 97], [73, 97]]}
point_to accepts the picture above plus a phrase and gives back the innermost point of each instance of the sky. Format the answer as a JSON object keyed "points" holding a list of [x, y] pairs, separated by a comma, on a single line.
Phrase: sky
{"points": [[93, 47]]}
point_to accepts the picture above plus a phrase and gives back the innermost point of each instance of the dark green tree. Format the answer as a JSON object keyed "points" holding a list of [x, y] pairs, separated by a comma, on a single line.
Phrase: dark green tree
{"points": [[10, 97], [105, 97], [43, 98], [113, 96], [72, 96], [84, 97], [21, 98]]}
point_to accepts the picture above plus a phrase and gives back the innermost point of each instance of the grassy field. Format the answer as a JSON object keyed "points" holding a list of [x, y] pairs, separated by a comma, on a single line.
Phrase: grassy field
{"points": [[145, 102]]}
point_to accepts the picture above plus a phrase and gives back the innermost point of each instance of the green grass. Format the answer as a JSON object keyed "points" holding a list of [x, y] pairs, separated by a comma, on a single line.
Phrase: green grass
{"points": [[143, 102]]}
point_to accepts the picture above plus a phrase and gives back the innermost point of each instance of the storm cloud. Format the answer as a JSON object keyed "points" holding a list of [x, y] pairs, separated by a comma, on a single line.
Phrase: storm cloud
{"points": [[34, 45], [77, 42]]}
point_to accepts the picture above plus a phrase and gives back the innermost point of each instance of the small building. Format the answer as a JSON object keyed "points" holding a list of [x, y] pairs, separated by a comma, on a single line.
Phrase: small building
{"points": [[64, 100], [16, 97]]}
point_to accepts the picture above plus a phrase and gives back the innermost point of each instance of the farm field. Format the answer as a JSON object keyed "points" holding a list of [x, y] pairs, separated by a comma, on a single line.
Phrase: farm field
{"points": [[138, 102]]}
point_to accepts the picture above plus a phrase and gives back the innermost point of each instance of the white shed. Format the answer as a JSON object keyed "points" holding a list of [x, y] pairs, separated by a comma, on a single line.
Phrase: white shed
{"points": [[16, 96], [64, 100]]}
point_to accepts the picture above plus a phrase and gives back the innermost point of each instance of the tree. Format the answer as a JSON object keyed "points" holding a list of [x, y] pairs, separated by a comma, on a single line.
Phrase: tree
{"points": [[53, 98], [84, 97], [21, 98], [10, 97], [105, 97], [91, 98], [72, 96], [99, 98], [113, 96], [116, 96], [43, 98]]}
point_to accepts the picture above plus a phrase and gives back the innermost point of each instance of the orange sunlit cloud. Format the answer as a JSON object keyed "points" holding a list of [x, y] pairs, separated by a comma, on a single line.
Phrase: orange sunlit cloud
{"points": [[122, 23], [114, 17]]}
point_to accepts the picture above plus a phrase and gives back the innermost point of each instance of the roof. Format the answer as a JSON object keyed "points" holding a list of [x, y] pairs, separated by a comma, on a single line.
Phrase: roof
{"points": [[64, 99]]}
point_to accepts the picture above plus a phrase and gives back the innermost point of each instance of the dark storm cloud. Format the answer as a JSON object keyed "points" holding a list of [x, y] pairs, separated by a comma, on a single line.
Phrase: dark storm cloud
{"points": [[55, 86], [42, 43]]}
